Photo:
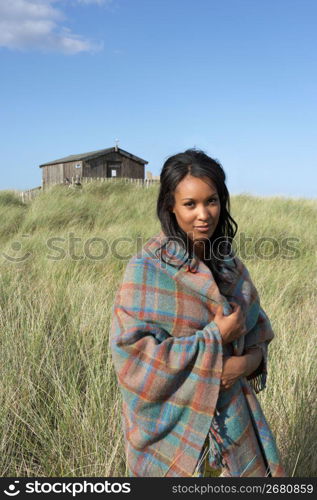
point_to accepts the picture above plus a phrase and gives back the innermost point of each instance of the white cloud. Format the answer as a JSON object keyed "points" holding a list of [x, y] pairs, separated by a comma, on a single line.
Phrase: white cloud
{"points": [[37, 24]]}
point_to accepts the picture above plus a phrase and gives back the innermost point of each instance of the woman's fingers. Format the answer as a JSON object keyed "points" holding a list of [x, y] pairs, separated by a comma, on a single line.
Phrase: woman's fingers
{"points": [[231, 326], [234, 305], [240, 316], [235, 309], [225, 385]]}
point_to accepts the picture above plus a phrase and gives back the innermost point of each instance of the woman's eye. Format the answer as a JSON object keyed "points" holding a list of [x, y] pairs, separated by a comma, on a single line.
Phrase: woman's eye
{"points": [[212, 200]]}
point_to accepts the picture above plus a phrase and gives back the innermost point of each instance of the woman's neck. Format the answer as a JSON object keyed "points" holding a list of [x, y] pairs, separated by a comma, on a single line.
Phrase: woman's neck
{"points": [[201, 252]]}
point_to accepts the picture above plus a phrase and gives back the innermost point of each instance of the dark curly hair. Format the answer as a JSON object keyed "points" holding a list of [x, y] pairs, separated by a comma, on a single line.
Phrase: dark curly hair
{"points": [[198, 164]]}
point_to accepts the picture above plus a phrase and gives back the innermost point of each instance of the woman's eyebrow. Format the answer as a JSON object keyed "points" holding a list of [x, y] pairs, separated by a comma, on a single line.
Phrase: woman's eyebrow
{"points": [[188, 197]]}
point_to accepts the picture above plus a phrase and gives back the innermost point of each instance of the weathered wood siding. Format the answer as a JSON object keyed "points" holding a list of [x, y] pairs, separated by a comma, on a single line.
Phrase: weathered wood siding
{"points": [[97, 167], [103, 165], [132, 169], [70, 169], [53, 174], [62, 173]]}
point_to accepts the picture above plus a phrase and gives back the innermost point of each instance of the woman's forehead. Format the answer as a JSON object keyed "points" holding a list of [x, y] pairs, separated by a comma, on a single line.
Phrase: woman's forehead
{"points": [[195, 186]]}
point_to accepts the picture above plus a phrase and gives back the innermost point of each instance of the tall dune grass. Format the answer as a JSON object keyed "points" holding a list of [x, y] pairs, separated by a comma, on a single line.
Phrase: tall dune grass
{"points": [[60, 407]]}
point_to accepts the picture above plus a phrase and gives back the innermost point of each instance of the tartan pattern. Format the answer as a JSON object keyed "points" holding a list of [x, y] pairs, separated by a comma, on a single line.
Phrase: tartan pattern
{"points": [[167, 352]]}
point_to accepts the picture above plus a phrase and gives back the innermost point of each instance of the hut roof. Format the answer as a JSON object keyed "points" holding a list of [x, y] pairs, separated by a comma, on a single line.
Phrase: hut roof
{"points": [[94, 154]]}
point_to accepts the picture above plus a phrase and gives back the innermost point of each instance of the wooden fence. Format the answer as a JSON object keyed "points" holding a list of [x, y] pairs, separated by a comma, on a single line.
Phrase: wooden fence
{"points": [[30, 194], [139, 182]]}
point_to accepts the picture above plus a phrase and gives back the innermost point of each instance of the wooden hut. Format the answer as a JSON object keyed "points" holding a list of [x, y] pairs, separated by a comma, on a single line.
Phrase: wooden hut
{"points": [[111, 162]]}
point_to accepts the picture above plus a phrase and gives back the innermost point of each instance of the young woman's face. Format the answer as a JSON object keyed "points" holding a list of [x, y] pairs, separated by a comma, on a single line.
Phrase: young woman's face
{"points": [[196, 204]]}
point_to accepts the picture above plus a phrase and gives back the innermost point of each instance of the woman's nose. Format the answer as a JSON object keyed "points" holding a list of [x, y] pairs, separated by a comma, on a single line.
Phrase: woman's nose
{"points": [[203, 213]]}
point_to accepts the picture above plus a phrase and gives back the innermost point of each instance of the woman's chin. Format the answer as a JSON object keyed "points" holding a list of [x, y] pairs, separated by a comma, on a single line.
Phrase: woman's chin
{"points": [[202, 237], [197, 237]]}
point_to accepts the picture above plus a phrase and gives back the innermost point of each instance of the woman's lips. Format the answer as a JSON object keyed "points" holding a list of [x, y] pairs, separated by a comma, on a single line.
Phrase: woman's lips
{"points": [[202, 229]]}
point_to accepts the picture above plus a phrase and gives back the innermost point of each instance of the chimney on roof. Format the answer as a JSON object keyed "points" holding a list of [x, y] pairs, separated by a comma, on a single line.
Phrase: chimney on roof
{"points": [[116, 146]]}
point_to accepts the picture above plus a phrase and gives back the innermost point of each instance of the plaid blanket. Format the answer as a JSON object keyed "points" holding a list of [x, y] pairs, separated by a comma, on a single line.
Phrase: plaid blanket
{"points": [[168, 356]]}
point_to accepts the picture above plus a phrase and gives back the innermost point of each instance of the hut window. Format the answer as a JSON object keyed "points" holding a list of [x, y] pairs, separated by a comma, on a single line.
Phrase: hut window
{"points": [[114, 169], [78, 165]]}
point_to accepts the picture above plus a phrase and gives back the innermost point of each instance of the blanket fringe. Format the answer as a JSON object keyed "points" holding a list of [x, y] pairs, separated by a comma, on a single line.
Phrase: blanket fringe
{"points": [[216, 446], [258, 383]]}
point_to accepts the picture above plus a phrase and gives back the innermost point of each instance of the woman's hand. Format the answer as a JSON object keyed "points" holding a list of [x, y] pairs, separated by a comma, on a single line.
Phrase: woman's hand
{"points": [[253, 357], [231, 327], [234, 367]]}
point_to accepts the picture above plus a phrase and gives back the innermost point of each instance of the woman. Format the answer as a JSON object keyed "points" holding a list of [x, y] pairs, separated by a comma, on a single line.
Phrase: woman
{"points": [[189, 338]]}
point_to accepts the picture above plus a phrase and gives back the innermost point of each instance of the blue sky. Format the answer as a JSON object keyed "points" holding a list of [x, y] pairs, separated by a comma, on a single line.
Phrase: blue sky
{"points": [[236, 78]]}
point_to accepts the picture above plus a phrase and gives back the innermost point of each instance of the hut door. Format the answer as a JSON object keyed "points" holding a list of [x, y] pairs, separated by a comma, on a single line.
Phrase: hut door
{"points": [[114, 169]]}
